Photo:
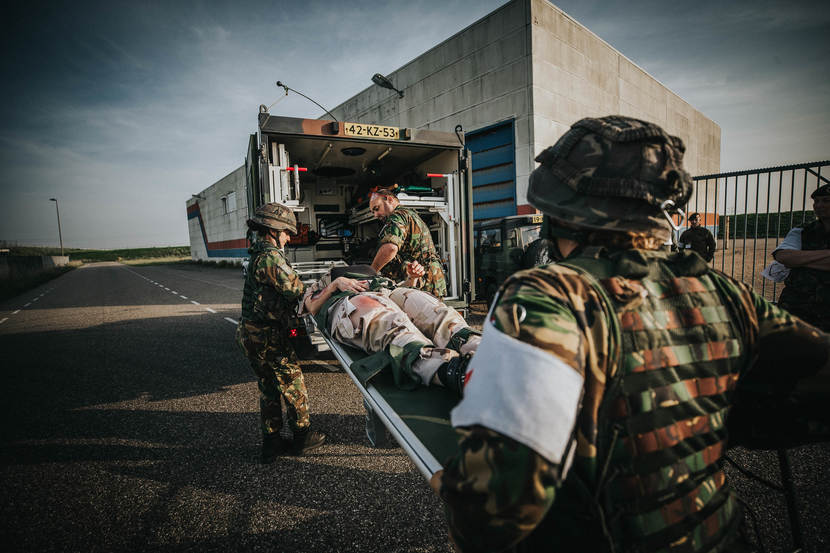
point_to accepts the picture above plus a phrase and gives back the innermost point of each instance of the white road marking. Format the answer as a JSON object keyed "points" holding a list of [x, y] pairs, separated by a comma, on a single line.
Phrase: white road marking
{"points": [[16, 312], [166, 288], [27, 304], [194, 302], [182, 297], [34, 300], [231, 320], [173, 292], [209, 309], [4, 320]]}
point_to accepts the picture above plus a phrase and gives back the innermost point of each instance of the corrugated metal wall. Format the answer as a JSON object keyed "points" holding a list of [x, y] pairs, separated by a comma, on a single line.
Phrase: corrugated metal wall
{"points": [[494, 171]]}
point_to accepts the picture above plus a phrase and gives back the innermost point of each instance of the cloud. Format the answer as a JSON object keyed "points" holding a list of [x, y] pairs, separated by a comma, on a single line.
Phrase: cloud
{"points": [[124, 110]]}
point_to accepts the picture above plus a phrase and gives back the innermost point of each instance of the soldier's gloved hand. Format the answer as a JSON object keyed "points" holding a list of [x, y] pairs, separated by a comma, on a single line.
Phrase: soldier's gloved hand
{"points": [[345, 284]]}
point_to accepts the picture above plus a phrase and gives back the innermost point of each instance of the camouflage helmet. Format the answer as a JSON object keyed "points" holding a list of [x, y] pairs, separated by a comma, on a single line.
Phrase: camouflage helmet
{"points": [[612, 173], [274, 216]]}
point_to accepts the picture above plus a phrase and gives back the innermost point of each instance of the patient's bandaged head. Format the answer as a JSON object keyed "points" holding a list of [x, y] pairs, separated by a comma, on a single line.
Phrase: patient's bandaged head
{"points": [[353, 271]]}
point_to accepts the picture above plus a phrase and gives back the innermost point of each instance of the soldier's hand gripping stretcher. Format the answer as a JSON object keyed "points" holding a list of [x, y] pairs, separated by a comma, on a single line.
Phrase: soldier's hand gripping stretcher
{"points": [[424, 340]]}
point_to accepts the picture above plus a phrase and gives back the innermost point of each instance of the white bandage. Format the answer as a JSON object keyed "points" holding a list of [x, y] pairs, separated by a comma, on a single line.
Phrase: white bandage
{"points": [[522, 392]]}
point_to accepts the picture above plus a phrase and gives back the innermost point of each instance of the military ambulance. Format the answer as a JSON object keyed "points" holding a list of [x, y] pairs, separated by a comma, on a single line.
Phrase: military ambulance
{"points": [[325, 171]]}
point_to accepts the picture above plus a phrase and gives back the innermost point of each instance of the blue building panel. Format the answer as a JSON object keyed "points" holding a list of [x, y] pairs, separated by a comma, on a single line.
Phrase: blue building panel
{"points": [[494, 170], [494, 192], [496, 209]]}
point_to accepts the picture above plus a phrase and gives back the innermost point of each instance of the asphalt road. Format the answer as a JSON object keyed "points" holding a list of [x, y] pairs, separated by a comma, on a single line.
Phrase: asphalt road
{"points": [[130, 423]]}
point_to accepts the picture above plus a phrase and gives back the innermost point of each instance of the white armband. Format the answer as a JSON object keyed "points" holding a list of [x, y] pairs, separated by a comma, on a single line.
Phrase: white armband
{"points": [[522, 392]]}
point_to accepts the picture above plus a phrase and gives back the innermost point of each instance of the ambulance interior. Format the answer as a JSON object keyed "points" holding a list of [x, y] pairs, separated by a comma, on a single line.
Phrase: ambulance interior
{"points": [[328, 180]]}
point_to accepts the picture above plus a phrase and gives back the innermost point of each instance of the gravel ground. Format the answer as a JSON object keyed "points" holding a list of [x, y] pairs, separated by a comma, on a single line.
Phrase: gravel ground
{"points": [[130, 423]]}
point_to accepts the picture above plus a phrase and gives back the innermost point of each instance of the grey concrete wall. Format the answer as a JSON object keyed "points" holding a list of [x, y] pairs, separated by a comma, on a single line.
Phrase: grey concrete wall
{"points": [[576, 74], [476, 78], [530, 61], [20, 266], [225, 231]]}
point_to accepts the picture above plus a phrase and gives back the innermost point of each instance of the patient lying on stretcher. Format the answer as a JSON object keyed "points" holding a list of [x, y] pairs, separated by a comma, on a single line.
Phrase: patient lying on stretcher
{"points": [[426, 341]]}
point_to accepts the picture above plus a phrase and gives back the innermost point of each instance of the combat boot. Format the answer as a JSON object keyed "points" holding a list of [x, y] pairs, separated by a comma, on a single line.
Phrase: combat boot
{"points": [[451, 374], [307, 440], [273, 445]]}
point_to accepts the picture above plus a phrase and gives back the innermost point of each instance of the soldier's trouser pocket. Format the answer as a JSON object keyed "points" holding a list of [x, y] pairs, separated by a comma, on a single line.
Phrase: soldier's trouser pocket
{"points": [[435, 319]]}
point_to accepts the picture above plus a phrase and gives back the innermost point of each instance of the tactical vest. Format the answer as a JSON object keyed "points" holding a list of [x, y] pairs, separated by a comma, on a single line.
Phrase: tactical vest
{"points": [[807, 291], [280, 310], [654, 478]]}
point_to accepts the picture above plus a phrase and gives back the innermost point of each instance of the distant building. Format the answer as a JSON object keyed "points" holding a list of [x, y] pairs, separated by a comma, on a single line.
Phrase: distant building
{"points": [[216, 219], [515, 81]]}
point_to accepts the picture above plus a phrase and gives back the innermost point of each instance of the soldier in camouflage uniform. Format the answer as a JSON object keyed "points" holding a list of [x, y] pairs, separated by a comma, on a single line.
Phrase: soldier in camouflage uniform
{"points": [[606, 387], [405, 238], [424, 340], [269, 302], [807, 290]]}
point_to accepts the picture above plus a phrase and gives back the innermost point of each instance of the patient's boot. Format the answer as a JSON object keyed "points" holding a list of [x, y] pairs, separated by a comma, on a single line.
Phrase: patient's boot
{"points": [[451, 374], [307, 440]]}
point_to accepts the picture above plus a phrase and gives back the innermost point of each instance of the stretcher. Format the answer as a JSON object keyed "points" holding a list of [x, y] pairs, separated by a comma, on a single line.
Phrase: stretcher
{"points": [[419, 420]]}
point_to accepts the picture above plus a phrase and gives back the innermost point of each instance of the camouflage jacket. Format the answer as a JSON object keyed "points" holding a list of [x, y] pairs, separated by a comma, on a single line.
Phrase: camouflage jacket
{"points": [[652, 418], [405, 229], [807, 290], [272, 287]]}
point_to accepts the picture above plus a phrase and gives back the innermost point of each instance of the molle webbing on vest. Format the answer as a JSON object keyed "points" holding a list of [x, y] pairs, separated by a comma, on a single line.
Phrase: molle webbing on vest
{"points": [[681, 355]]}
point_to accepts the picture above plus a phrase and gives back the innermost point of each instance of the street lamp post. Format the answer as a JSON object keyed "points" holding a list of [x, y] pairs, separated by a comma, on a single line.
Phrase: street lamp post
{"points": [[384, 82], [58, 211]]}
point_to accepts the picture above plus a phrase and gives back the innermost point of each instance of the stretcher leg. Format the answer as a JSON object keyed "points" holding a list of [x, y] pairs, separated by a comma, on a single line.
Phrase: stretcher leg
{"points": [[375, 430]]}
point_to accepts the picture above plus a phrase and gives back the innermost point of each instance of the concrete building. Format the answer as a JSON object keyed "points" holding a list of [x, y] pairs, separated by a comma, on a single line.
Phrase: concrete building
{"points": [[216, 219], [515, 81]]}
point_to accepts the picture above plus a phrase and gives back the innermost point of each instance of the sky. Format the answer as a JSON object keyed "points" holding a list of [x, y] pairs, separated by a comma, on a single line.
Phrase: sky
{"points": [[122, 110]]}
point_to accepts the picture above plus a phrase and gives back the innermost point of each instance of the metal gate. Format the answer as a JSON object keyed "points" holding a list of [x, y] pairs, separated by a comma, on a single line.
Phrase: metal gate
{"points": [[750, 212]]}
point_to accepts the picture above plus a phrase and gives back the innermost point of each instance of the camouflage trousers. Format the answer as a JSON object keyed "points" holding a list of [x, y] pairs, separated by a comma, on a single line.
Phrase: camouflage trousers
{"points": [[434, 280], [384, 320], [278, 373]]}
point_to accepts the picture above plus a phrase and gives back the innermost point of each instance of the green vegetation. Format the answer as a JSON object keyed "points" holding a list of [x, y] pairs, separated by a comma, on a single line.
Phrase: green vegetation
{"points": [[769, 224], [172, 253], [11, 288]]}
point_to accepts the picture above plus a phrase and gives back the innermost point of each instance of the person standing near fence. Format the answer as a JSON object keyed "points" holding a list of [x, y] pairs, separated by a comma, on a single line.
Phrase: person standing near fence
{"points": [[806, 293], [698, 239]]}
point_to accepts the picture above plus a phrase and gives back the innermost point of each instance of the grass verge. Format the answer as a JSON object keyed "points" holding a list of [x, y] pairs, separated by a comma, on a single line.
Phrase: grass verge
{"points": [[158, 260], [12, 288]]}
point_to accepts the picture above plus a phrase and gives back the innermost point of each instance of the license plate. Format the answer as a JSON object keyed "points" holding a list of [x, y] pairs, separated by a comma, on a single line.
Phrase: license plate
{"points": [[537, 219], [372, 131]]}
